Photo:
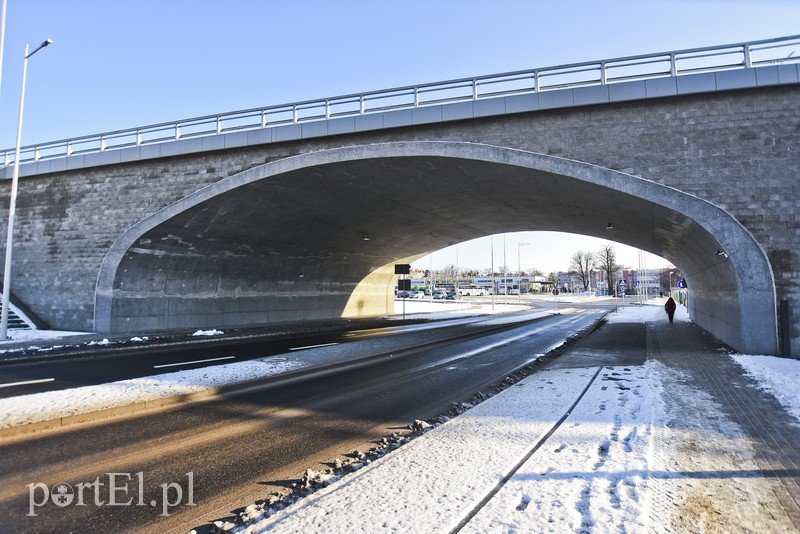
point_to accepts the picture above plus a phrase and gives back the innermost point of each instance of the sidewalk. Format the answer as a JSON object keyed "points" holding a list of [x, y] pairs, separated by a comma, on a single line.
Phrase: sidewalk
{"points": [[645, 426], [755, 484]]}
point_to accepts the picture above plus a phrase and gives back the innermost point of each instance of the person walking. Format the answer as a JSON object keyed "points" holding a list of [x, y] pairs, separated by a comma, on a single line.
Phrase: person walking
{"points": [[669, 307]]}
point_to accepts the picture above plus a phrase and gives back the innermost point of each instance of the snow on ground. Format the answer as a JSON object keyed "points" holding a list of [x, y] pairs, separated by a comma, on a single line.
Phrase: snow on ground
{"points": [[646, 312], [426, 485], [212, 332], [46, 406], [19, 335], [510, 319], [33, 336], [447, 309], [779, 376], [703, 473], [591, 473]]}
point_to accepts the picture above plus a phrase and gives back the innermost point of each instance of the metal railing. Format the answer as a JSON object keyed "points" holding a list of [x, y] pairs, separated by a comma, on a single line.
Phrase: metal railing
{"points": [[716, 58]]}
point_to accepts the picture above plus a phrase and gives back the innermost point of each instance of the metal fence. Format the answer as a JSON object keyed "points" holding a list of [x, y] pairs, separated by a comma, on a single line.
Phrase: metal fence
{"points": [[710, 59]]}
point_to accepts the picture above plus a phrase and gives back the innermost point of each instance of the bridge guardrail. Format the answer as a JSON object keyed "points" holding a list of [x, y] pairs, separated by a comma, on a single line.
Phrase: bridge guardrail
{"points": [[641, 67]]}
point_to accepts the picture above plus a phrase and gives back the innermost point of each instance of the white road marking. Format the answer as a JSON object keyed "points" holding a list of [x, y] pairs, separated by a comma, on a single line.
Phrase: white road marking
{"points": [[39, 381], [314, 346], [195, 361]]}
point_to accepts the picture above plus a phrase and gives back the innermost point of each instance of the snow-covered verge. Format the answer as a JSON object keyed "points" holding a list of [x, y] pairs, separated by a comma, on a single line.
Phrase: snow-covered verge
{"points": [[591, 473], [435, 481], [33, 336], [37, 407]]}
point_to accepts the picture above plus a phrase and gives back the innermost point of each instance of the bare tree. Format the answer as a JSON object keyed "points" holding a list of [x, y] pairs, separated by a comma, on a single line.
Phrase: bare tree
{"points": [[580, 265], [607, 262], [450, 271]]}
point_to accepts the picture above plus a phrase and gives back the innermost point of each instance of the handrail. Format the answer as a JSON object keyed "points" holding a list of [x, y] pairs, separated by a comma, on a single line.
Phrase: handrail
{"points": [[639, 67]]}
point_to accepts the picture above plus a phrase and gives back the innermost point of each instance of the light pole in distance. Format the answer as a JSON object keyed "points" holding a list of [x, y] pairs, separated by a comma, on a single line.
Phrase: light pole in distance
{"points": [[519, 269]]}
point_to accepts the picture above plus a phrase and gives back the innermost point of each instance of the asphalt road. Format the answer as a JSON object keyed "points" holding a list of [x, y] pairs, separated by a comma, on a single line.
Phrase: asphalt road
{"points": [[181, 468], [102, 365]]}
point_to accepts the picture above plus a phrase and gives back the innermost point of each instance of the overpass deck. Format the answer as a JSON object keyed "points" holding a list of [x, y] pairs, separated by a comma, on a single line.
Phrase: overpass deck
{"points": [[658, 75]]}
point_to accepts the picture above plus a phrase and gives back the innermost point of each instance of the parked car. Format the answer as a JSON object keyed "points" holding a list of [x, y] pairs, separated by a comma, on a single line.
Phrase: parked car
{"points": [[451, 294], [439, 294], [418, 295], [405, 294]]}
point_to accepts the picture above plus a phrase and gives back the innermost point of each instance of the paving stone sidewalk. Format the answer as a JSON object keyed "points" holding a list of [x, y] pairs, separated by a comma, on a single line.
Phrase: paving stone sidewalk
{"points": [[761, 493]]}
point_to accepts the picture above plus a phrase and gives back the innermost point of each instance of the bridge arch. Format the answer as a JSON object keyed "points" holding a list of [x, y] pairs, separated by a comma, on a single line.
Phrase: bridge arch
{"points": [[293, 238]]}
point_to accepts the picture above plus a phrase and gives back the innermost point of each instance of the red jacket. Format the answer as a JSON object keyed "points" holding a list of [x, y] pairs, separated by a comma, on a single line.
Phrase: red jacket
{"points": [[669, 307]]}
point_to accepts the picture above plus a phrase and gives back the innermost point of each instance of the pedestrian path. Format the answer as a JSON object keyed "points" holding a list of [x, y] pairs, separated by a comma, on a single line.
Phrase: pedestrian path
{"points": [[766, 436]]}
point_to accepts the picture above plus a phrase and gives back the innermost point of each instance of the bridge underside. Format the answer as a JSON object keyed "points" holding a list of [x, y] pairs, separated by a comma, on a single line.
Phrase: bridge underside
{"points": [[315, 236]]}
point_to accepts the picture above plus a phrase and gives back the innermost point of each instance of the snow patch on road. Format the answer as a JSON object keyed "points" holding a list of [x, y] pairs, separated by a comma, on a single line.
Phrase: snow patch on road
{"points": [[212, 332]]}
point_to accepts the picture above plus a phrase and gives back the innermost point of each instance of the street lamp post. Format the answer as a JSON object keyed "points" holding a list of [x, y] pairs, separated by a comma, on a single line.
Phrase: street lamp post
{"points": [[492, 267], [669, 293], [13, 204], [505, 272], [519, 270], [458, 276]]}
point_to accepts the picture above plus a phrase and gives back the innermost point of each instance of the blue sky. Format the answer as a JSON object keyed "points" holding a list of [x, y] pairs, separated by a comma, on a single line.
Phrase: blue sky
{"points": [[119, 64]]}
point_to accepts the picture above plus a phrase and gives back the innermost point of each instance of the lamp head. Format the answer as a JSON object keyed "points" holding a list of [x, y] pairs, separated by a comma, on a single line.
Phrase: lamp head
{"points": [[44, 44]]}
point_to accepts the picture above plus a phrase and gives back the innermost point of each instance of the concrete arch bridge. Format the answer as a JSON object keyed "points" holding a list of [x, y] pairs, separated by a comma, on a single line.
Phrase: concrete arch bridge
{"points": [[268, 225]]}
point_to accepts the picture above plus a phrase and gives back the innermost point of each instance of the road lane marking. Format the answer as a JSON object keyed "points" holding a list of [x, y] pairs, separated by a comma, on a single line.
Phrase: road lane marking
{"points": [[195, 361], [314, 346], [39, 381]]}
